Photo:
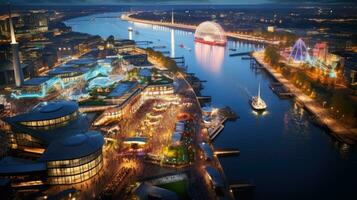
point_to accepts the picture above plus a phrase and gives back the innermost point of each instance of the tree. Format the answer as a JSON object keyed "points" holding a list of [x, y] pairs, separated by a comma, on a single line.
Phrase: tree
{"points": [[271, 55]]}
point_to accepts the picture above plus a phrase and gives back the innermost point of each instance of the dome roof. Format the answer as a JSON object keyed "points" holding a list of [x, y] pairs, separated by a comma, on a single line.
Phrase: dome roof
{"points": [[212, 30], [75, 146], [47, 110]]}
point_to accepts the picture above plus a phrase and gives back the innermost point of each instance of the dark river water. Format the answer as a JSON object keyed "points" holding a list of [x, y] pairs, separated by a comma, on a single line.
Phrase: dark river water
{"points": [[282, 152]]}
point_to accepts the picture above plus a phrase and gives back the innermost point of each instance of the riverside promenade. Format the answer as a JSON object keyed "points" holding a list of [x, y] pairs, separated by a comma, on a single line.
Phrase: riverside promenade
{"points": [[238, 36], [321, 114]]}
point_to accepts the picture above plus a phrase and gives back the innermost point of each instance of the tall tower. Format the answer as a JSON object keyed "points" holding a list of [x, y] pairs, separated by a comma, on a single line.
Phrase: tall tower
{"points": [[19, 77], [172, 16]]}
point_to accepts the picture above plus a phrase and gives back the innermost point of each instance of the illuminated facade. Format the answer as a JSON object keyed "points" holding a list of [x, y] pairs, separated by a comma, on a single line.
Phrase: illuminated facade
{"points": [[162, 89], [133, 101], [57, 135], [72, 164], [210, 33], [37, 87], [69, 74]]}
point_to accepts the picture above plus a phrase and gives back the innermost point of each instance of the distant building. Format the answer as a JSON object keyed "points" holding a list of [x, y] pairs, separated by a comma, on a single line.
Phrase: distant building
{"points": [[137, 59], [38, 21], [349, 61], [124, 46], [271, 29], [320, 51]]}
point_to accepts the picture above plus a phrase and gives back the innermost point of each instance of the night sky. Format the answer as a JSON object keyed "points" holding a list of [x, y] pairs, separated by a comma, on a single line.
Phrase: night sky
{"points": [[170, 1]]}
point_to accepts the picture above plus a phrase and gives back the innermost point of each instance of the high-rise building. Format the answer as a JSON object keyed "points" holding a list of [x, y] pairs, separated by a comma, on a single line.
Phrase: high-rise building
{"points": [[19, 77]]}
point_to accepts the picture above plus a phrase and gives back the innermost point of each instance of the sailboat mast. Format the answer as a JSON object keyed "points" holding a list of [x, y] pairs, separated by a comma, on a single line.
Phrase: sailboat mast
{"points": [[259, 91]]}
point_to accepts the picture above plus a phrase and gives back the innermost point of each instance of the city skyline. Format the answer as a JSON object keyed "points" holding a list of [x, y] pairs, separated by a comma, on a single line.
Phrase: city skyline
{"points": [[174, 2]]}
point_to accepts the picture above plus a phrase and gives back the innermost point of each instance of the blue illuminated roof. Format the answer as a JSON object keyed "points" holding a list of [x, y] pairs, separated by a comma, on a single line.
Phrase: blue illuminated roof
{"points": [[82, 61], [65, 70], [214, 176], [207, 150], [145, 72], [122, 88], [104, 81], [37, 81], [75, 146]]}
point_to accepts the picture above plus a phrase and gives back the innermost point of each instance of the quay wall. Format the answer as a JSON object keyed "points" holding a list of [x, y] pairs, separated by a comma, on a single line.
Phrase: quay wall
{"points": [[340, 132]]}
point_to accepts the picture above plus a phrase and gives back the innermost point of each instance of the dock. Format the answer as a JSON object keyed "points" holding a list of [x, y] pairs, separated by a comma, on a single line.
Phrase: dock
{"points": [[281, 91], [246, 58], [143, 42], [215, 132], [242, 190], [226, 152], [179, 60], [204, 99], [165, 52], [228, 113], [322, 115], [240, 54], [159, 47]]}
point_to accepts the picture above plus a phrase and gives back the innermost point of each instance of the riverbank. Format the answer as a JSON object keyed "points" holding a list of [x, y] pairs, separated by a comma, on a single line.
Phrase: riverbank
{"points": [[249, 38], [340, 132]]}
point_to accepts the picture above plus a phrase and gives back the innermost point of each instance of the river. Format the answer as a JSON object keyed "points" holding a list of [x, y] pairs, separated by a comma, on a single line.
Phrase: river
{"points": [[282, 152]]}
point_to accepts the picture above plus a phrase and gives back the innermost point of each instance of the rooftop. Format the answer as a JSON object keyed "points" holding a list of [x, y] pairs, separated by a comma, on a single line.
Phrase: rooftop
{"points": [[214, 175], [65, 70], [207, 150], [145, 72], [75, 146], [46, 110], [11, 165], [37, 81], [82, 61], [122, 88]]}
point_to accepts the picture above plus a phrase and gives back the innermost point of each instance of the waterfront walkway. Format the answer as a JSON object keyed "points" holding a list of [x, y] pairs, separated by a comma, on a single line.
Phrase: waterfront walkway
{"points": [[193, 28], [322, 115]]}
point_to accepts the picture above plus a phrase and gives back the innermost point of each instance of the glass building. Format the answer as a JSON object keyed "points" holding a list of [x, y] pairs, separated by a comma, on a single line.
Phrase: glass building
{"points": [[55, 135]]}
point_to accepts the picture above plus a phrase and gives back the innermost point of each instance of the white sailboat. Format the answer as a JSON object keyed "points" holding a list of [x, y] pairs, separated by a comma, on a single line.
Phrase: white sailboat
{"points": [[257, 102]]}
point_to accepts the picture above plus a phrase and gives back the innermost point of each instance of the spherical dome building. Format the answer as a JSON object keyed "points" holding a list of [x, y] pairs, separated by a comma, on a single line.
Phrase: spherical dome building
{"points": [[211, 33]]}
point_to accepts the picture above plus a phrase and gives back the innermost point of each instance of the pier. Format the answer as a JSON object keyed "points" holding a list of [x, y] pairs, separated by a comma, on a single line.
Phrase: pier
{"points": [[143, 42], [240, 54], [215, 132], [165, 52], [242, 189], [226, 152], [281, 91], [179, 60], [204, 98], [159, 47], [340, 132]]}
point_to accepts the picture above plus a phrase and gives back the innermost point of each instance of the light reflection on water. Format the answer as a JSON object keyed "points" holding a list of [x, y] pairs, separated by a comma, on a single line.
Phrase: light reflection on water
{"points": [[284, 153], [210, 57]]}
